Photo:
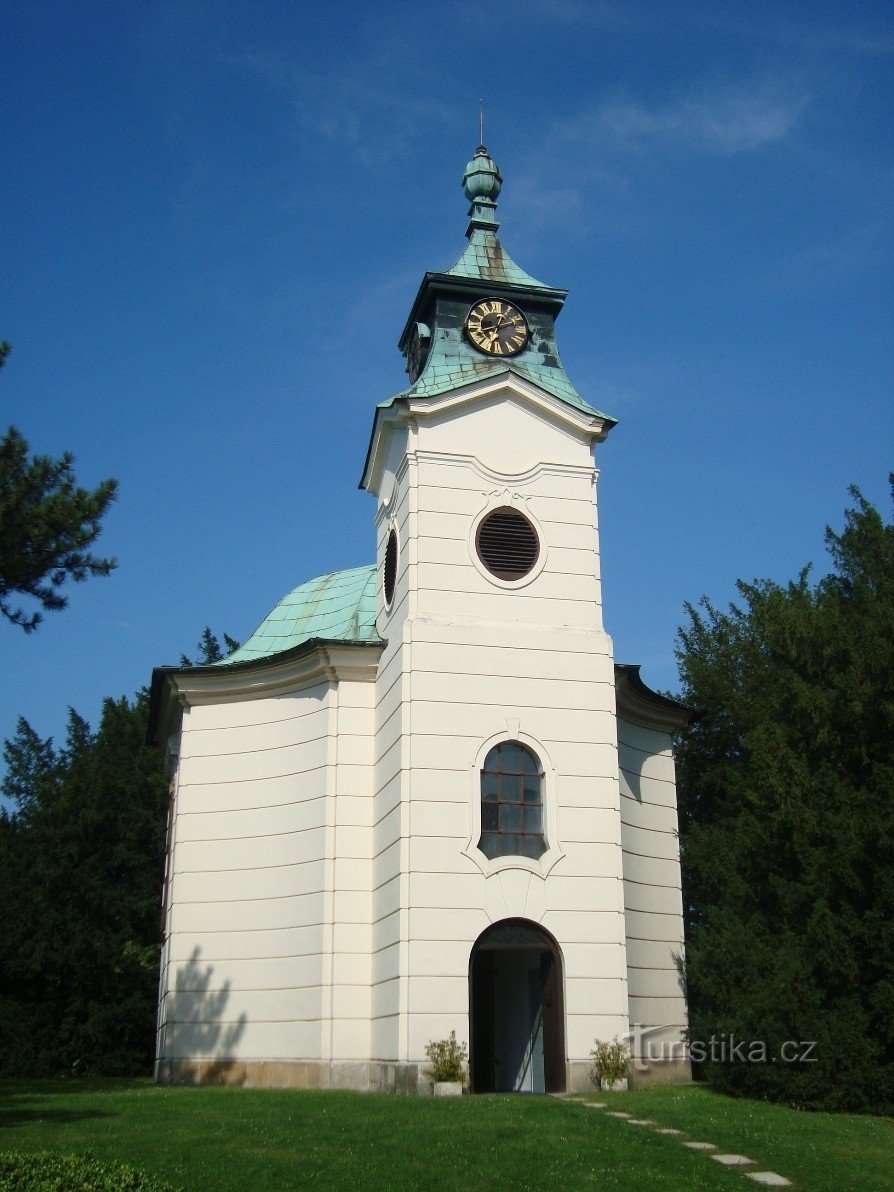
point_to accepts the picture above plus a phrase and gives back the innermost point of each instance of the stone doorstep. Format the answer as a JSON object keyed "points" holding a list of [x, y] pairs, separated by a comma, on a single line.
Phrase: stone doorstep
{"points": [[768, 1178], [700, 1146], [734, 1160]]}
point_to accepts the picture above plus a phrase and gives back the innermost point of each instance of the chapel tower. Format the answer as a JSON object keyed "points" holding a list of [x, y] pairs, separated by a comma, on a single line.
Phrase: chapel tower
{"points": [[492, 613]]}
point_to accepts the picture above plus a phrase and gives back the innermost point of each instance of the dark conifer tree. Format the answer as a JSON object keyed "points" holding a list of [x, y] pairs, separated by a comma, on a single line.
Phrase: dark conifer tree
{"points": [[47, 524], [210, 649], [81, 868], [80, 879], [786, 787]]}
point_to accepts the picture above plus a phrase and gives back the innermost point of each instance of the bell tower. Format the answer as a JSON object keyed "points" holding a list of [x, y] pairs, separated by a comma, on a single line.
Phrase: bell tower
{"points": [[497, 793]]}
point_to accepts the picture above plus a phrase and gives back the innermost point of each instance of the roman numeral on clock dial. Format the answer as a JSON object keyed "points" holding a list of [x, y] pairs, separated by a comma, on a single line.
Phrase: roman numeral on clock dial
{"points": [[497, 328]]}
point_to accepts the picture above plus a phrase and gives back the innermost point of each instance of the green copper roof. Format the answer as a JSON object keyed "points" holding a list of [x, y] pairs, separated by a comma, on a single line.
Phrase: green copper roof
{"points": [[444, 371], [339, 606], [485, 259], [452, 361]]}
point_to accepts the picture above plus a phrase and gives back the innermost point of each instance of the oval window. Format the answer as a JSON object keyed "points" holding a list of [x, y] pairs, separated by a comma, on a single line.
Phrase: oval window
{"points": [[390, 570], [507, 544]]}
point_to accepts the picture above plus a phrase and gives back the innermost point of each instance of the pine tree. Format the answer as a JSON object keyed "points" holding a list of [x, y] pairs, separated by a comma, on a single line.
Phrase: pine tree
{"points": [[786, 784], [81, 863], [81, 870], [47, 524], [210, 649]]}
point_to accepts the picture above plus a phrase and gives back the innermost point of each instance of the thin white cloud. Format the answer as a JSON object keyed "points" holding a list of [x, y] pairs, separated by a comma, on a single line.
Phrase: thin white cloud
{"points": [[728, 119], [856, 37], [836, 38], [366, 118], [847, 254], [573, 12], [537, 201]]}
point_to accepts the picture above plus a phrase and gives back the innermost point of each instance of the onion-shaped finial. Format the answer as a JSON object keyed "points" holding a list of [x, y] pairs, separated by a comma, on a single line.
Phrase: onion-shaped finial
{"points": [[482, 179]]}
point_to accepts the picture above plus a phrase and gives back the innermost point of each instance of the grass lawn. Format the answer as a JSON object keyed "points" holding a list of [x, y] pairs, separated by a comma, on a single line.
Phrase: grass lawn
{"points": [[239, 1139], [819, 1152]]}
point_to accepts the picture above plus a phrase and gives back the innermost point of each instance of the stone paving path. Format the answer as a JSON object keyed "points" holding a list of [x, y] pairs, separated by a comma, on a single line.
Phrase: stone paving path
{"points": [[769, 1179]]}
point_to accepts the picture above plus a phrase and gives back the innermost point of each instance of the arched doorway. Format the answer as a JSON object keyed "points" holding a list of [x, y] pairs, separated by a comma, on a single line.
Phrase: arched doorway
{"points": [[516, 1010]]}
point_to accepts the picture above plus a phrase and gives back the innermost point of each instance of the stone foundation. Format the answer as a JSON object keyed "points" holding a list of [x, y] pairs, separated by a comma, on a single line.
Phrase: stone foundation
{"points": [[366, 1077], [577, 1076], [642, 1074], [376, 1076], [669, 1071]]}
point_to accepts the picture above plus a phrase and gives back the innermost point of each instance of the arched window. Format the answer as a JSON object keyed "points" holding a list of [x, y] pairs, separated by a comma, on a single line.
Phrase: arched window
{"points": [[512, 803]]}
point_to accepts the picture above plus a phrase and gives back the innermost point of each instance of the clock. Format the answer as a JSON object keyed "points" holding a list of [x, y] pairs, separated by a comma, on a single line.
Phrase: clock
{"points": [[497, 328]]}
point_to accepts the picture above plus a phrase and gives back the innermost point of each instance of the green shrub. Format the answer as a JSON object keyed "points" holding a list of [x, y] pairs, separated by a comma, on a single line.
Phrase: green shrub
{"points": [[446, 1058], [43, 1171], [610, 1062]]}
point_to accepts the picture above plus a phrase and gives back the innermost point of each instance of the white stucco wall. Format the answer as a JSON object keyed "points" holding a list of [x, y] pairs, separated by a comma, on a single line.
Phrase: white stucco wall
{"points": [[391, 753], [267, 933], [652, 891]]}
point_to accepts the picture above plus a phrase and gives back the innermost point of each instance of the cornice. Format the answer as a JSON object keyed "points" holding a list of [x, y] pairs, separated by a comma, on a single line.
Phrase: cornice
{"points": [[262, 678], [639, 704], [458, 285], [491, 476], [507, 384], [502, 384]]}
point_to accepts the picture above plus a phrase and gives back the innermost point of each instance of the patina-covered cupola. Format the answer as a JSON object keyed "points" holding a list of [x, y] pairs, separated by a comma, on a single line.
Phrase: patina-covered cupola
{"points": [[485, 315]]}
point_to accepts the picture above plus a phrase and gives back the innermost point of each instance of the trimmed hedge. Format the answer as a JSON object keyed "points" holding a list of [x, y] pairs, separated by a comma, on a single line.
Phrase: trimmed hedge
{"points": [[44, 1171]]}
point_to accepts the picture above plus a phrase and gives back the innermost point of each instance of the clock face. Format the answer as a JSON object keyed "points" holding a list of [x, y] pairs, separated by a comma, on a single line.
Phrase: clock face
{"points": [[497, 328]]}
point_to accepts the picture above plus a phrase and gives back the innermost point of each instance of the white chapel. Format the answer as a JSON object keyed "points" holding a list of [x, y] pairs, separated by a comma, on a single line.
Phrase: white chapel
{"points": [[422, 797]]}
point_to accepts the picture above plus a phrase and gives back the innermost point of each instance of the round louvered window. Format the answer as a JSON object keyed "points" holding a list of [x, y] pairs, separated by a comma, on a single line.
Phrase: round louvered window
{"points": [[390, 575], [507, 544]]}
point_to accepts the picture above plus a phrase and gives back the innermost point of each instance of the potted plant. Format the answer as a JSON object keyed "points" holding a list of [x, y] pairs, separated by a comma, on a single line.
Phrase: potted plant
{"points": [[446, 1059], [611, 1064]]}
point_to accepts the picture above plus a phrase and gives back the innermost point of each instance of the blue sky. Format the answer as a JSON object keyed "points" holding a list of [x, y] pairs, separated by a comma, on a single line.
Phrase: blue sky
{"points": [[216, 217]]}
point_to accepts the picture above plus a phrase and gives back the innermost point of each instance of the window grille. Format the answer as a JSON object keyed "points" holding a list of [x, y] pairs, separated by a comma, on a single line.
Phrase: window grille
{"points": [[512, 803], [507, 544]]}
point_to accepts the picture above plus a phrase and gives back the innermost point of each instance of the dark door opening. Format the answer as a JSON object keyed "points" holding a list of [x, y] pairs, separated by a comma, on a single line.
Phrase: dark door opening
{"points": [[517, 1019]]}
